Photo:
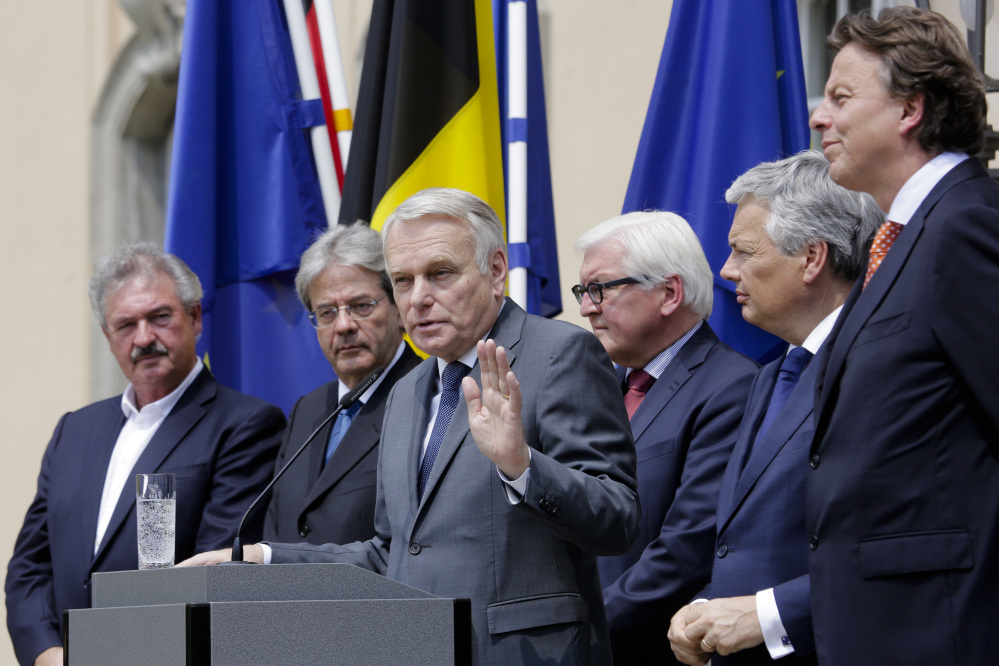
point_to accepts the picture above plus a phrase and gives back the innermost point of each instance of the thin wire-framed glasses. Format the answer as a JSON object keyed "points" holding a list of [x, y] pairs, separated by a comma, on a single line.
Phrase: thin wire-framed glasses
{"points": [[596, 289], [361, 309]]}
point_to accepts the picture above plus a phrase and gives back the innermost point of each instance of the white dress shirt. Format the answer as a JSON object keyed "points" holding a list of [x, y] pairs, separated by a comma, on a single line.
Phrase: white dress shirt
{"points": [[139, 428]]}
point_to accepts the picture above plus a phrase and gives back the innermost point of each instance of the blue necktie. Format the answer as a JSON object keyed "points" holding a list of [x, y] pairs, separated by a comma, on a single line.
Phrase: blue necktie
{"points": [[340, 426], [450, 392], [787, 378]]}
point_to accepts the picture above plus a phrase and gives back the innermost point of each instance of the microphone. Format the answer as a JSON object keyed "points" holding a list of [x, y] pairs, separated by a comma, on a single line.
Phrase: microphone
{"points": [[345, 402]]}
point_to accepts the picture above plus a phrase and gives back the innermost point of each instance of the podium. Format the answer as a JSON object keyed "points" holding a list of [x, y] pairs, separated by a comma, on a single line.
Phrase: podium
{"points": [[265, 614]]}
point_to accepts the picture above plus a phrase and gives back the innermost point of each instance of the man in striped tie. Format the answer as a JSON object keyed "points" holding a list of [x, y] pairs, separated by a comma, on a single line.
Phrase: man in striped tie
{"points": [[646, 287]]}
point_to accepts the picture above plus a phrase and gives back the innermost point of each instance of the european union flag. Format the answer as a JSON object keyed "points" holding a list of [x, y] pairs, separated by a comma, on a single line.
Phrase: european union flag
{"points": [[244, 198], [729, 94]]}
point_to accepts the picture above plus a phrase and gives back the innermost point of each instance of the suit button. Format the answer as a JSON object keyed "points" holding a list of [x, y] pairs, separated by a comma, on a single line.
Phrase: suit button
{"points": [[303, 531], [814, 461], [415, 548], [722, 551], [543, 503], [813, 542]]}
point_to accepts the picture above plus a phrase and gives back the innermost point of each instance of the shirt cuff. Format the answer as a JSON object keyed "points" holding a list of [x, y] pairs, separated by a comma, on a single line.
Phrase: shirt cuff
{"points": [[774, 634], [267, 552], [516, 488]]}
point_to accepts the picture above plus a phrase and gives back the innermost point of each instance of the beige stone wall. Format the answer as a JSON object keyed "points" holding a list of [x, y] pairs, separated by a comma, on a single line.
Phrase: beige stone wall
{"points": [[54, 57]]}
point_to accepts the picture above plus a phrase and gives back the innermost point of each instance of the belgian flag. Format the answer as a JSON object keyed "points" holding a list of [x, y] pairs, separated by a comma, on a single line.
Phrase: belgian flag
{"points": [[427, 110]]}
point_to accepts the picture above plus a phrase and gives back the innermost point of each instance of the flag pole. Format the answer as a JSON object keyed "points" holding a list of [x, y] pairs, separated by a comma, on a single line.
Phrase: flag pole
{"points": [[516, 123], [309, 83], [334, 76]]}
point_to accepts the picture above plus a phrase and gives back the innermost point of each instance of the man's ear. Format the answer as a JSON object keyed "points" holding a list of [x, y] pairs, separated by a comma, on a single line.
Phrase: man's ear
{"points": [[498, 271], [672, 295], [912, 114], [815, 260]]}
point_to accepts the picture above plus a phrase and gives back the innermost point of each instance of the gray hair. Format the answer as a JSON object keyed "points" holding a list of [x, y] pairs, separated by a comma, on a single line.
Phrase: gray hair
{"points": [[355, 245], [141, 259], [657, 244], [484, 227], [806, 206]]}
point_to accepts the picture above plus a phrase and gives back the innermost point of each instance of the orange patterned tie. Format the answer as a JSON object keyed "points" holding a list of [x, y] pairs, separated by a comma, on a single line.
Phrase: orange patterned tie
{"points": [[887, 233]]}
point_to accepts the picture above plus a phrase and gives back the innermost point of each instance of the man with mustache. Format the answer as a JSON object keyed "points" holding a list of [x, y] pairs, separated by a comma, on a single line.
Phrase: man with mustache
{"points": [[328, 495], [172, 418]]}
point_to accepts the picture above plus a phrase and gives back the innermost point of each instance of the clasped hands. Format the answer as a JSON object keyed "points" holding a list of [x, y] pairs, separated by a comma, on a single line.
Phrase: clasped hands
{"points": [[720, 625]]}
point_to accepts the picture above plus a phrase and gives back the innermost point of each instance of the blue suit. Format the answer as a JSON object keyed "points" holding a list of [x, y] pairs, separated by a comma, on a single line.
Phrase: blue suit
{"points": [[684, 432], [762, 542], [903, 497], [221, 445]]}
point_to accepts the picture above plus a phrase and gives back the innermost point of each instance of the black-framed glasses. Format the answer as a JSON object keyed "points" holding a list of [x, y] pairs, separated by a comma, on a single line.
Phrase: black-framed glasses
{"points": [[361, 309], [596, 289]]}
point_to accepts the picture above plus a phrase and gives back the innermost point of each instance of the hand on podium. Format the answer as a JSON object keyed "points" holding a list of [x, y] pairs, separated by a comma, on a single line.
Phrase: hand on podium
{"points": [[251, 553]]}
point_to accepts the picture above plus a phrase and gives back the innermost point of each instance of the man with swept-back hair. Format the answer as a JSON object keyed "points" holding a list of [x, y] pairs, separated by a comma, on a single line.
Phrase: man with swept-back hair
{"points": [[798, 245], [903, 499], [173, 418], [646, 287], [507, 464], [328, 495]]}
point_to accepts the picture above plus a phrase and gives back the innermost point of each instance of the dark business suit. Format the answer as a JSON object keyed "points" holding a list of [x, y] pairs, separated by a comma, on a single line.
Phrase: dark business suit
{"points": [[221, 445], [332, 503], [762, 542], [903, 500], [529, 568], [684, 432]]}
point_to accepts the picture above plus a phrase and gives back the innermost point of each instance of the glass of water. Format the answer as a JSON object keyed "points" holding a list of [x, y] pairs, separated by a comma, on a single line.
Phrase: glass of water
{"points": [[156, 507]]}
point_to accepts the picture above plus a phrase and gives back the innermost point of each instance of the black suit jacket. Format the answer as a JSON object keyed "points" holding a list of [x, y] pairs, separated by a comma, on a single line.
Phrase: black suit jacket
{"points": [[684, 432], [335, 503], [903, 496], [221, 445]]}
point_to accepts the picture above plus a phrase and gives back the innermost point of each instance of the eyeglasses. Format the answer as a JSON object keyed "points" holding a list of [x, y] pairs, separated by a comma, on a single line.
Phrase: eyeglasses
{"points": [[326, 317], [596, 289]]}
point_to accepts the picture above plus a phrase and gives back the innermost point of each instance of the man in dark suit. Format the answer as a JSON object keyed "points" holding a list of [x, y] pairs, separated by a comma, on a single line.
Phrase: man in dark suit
{"points": [[646, 287], [507, 500], [903, 494], [328, 494], [798, 243], [172, 418]]}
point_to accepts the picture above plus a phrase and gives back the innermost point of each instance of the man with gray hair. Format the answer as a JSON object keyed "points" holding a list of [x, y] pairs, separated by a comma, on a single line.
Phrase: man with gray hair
{"points": [[646, 287], [508, 499], [172, 418], [799, 243], [328, 496]]}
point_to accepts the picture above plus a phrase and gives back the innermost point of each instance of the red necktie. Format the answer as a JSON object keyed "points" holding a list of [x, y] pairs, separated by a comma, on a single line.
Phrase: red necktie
{"points": [[639, 382], [887, 233]]}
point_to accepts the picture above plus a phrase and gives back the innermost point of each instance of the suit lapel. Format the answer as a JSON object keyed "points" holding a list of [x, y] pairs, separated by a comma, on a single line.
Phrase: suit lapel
{"points": [[506, 332], [795, 412], [755, 410], [102, 440], [185, 414], [361, 437], [863, 302], [317, 456], [426, 385], [680, 369]]}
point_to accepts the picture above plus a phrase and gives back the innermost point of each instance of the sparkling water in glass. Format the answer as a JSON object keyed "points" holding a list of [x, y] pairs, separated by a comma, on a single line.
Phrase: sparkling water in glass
{"points": [[156, 508]]}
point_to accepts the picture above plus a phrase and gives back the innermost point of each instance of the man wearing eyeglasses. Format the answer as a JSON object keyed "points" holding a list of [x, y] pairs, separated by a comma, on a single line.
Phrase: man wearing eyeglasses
{"points": [[328, 495], [646, 288]]}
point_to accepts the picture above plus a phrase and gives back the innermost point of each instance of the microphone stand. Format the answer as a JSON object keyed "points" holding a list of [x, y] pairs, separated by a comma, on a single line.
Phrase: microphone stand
{"points": [[345, 402]]}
